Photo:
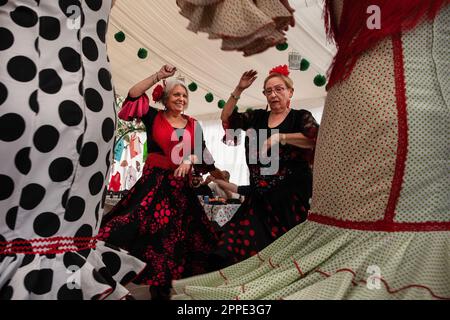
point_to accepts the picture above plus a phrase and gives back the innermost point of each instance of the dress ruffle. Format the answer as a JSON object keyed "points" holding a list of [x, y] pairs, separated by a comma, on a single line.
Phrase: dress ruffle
{"points": [[134, 108], [247, 26], [326, 262], [100, 273]]}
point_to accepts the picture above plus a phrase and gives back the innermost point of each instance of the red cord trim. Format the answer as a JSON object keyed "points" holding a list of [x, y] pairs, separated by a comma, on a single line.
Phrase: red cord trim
{"points": [[388, 289], [259, 257], [402, 144], [223, 276], [380, 225], [273, 265], [298, 268]]}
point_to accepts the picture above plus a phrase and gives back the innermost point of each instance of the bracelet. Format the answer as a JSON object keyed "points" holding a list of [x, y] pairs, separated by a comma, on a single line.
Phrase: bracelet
{"points": [[157, 78], [283, 139], [234, 96]]}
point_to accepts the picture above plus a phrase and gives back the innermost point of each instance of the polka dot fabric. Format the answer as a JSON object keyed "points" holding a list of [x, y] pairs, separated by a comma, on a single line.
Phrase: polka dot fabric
{"points": [[363, 112], [247, 26], [343, 252], [426, 189], [56, 128]]}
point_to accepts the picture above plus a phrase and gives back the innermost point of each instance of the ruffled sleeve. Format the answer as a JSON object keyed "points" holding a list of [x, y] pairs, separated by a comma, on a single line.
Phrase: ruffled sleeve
{"points": [[307, 125], [237, 122], [134, 108]]}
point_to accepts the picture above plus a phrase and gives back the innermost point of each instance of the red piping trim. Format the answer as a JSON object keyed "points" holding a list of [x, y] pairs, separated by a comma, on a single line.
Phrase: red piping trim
{"points": [[272, 265], [298, 268], [402, 144], [259, 257], [223, 276], [380, 225], [388, 289]]}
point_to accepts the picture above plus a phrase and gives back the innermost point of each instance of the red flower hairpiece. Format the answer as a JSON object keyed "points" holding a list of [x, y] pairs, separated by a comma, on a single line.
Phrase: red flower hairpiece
{"points": [[158, 93], [281, 70]]}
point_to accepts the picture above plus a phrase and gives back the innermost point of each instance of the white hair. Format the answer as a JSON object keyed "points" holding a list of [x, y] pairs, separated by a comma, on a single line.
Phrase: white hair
{"points": [[170, 84]]}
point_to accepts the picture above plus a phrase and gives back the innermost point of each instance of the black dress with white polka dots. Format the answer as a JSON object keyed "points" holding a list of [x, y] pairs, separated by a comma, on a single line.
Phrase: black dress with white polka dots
{"points": [[57, 124]]}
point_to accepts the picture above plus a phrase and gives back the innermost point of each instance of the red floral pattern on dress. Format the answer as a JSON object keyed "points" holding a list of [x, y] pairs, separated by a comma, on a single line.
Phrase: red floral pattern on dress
{"points": [[162, 222]]}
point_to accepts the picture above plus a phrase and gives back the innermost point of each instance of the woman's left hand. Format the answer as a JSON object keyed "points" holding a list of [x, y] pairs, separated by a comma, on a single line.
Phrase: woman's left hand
{"points": [[217, 174], [183, 170], [270, 142]]}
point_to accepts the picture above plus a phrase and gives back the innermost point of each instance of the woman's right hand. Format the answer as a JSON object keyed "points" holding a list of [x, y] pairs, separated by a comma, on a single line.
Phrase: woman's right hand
{"points": [[247, 78], [166, 71]]}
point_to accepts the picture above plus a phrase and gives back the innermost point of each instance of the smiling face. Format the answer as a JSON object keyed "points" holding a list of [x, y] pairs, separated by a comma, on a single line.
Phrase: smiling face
{"points": [[177, 99], [278, 93]]}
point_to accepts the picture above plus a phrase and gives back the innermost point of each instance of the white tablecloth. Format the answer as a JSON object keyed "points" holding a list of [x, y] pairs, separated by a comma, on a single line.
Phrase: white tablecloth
{"points": [[220, 213]]}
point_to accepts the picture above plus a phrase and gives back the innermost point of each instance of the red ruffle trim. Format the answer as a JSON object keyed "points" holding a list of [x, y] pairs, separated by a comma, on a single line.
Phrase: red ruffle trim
{"points": [[54, 245], [132, 109]]}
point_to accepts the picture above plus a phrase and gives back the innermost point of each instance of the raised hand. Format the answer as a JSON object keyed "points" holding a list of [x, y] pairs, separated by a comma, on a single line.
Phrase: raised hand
{"points": [[247, 78], [166, 71]]}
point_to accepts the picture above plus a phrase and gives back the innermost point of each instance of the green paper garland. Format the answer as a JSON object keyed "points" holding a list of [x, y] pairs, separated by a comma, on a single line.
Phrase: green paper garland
{"points": [[236, 108], [119, 36], [192, 86], [142, 53], [320, 80], [282, 46], [221, 103], [249, 109], [209, 97], [304, 65]]}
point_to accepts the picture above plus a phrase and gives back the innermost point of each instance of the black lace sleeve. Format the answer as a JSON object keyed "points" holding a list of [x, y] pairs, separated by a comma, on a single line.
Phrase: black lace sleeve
{"points": [[307, 125], [237, 122], [205, 161]]}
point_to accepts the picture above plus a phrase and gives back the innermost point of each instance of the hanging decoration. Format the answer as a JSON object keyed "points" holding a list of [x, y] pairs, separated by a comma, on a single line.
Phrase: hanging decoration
{"points": [[304, 65], [142, 53], [119, 36], [320, 80], [282, 46], [192, 86], [221, 103], [294, 60], [209, 97]]}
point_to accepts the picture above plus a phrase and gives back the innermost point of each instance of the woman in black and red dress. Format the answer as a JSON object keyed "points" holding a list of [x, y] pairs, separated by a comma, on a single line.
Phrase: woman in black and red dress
{"points": [[279, 192], [161, 221]]}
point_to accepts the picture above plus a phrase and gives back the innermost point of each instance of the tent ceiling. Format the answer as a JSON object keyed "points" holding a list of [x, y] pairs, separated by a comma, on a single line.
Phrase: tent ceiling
{"points": [[157, 26]]}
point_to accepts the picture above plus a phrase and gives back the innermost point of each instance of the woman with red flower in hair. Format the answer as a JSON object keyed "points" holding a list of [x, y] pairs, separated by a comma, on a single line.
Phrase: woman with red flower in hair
{"points": [[160, 220], [279, 146]]}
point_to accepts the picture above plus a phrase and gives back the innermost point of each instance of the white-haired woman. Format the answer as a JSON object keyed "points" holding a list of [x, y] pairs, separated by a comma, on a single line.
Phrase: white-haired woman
{"points": [[161, 221]]}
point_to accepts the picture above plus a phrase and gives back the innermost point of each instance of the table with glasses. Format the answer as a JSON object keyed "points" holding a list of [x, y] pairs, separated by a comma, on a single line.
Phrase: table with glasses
{"points": [[220, 213]]}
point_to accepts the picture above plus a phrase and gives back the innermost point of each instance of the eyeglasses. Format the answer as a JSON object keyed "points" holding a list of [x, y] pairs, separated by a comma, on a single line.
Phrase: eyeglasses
{"points": [[277, 90]]}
